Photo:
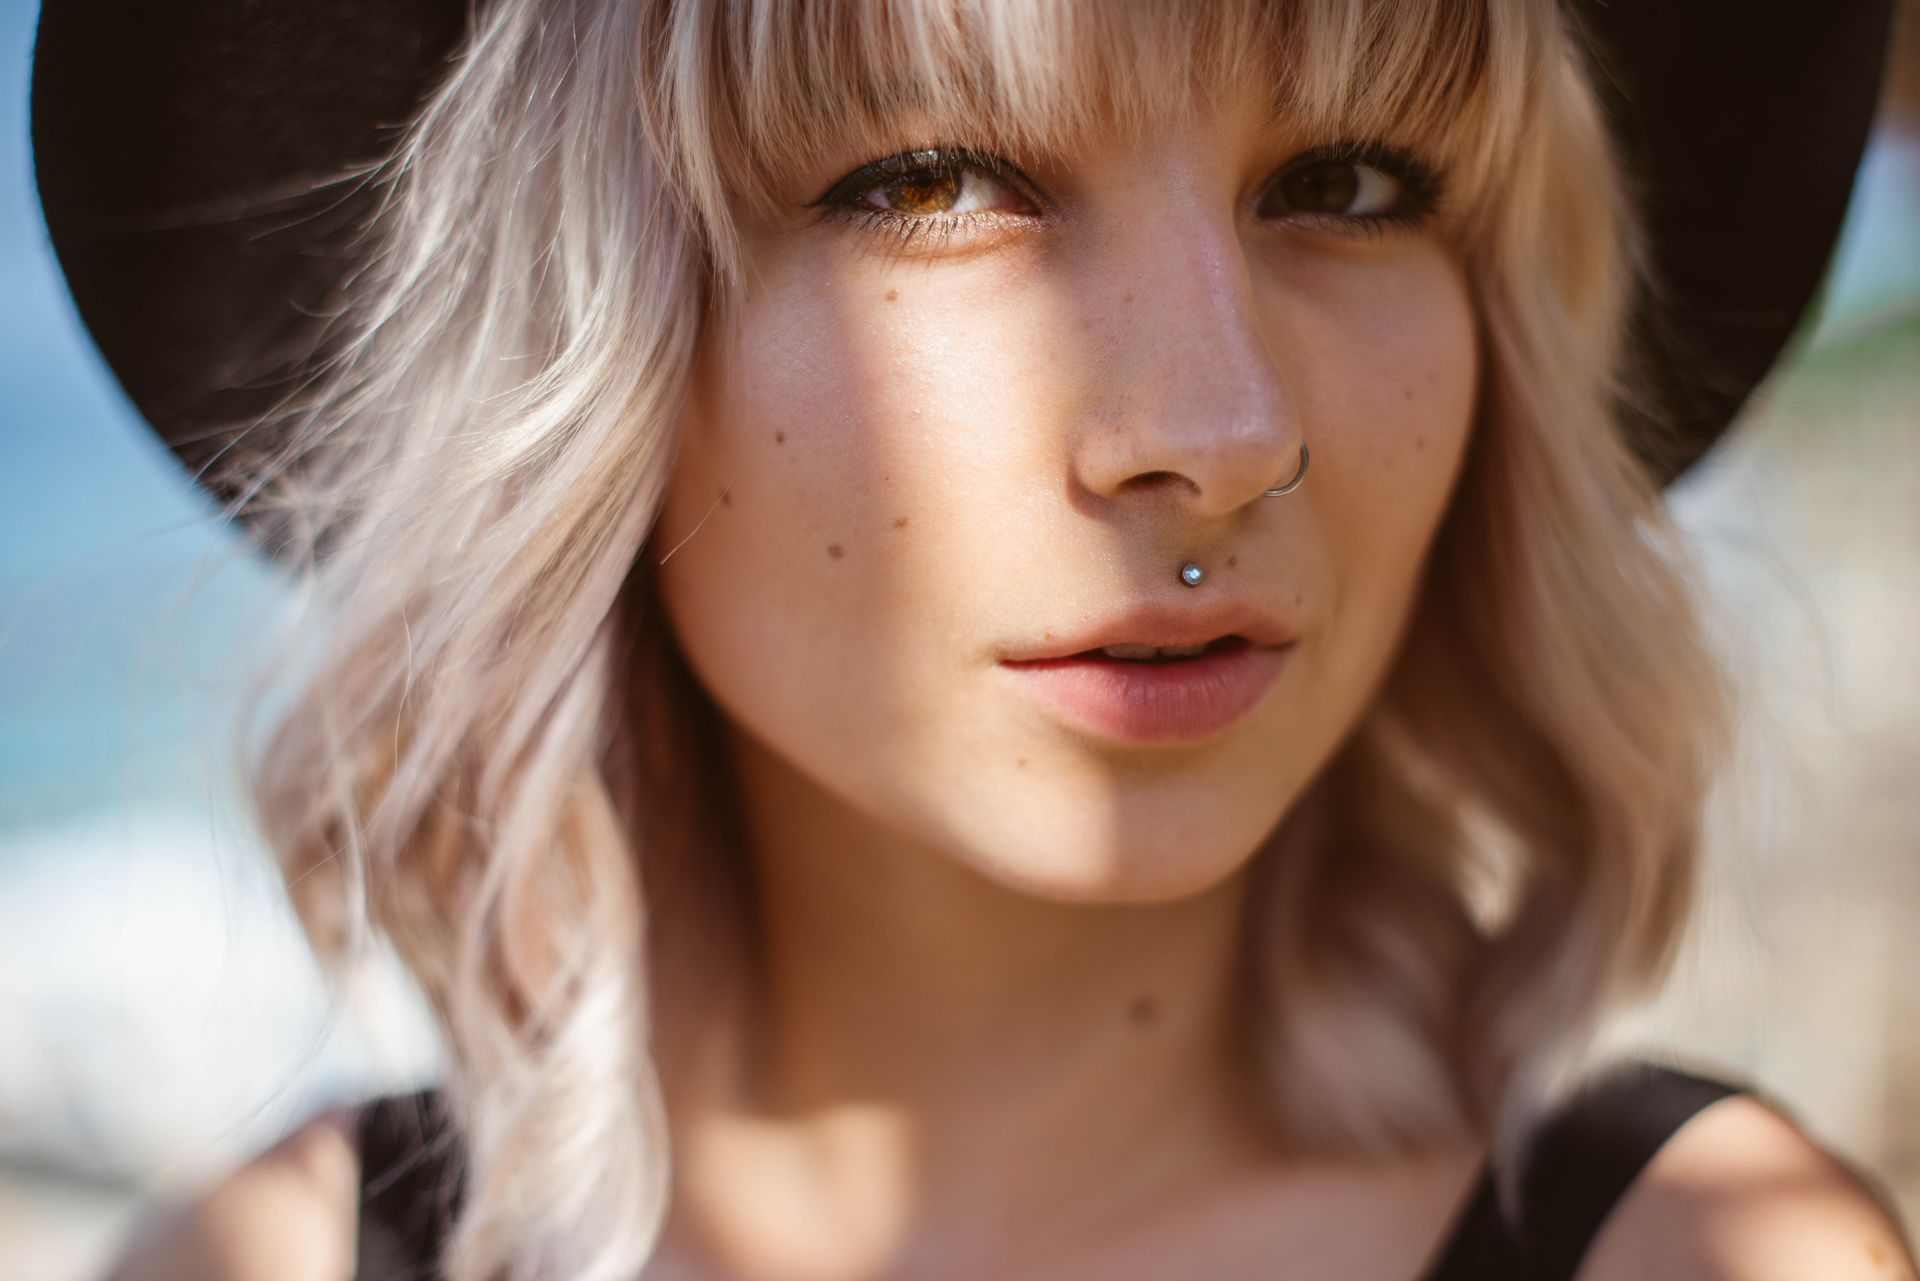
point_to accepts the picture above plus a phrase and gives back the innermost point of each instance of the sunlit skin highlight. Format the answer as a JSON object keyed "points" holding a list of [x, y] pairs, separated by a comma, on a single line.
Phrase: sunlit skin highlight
{"points": [[936, 453]]}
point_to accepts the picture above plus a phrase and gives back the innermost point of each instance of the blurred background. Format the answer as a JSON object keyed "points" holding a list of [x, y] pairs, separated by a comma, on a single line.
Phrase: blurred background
{"points": [[160, 1016]]}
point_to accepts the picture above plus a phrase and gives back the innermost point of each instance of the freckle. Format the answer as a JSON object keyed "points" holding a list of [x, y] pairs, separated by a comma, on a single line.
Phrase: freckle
{"points": [[726, 497], [779, 438], [1409, 393], [1047, 636], [1021, 763], [1875, 1253], [1127, 296], [1233, 562], [836, 551], [1143, 1010], [1296, 598], [1420, 443], [892, 294], [899, 522]]}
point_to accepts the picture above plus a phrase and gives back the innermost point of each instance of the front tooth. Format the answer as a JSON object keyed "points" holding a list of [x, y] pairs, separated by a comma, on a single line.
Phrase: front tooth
{"points": [[1149, 651]]}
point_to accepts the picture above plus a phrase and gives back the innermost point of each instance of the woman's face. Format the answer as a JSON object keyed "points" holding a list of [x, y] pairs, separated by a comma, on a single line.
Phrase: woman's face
{"points": [[966, 427]]}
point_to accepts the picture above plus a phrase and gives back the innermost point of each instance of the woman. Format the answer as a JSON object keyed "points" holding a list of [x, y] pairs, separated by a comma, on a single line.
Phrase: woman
{"points": [[998, 640]]}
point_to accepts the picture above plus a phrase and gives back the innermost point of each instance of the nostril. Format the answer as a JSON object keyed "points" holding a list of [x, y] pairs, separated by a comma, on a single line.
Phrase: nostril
{"points": [[1155, 480]]}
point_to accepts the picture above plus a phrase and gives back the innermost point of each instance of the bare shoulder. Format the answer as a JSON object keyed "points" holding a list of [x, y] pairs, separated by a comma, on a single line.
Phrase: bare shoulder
{"points": [[1740, 1193], [287, 1215]]}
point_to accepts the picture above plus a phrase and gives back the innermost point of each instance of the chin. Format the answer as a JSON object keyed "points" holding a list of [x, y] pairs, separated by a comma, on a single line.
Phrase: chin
{"points": [[1125, 849]]}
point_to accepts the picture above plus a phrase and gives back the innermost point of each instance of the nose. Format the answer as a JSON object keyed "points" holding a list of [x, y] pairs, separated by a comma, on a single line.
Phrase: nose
{"points": [[1193, 408]]}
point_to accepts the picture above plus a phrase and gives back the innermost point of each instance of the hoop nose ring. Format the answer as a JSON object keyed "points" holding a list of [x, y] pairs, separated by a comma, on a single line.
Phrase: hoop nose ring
{"points": [[1293, 484]]}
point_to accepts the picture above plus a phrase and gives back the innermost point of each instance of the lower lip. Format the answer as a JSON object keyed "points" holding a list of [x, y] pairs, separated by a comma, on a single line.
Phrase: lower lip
{"points": [[1185, 701]]}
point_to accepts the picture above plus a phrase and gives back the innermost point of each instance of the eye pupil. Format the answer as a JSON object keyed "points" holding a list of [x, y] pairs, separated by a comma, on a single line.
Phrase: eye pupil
{"points": [[1328, 186], [925, 191]]}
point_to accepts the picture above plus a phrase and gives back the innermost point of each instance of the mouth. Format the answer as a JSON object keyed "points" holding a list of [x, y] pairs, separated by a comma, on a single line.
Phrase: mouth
{"points": [[1142, 694], [1137, 653], [1149, 632]]}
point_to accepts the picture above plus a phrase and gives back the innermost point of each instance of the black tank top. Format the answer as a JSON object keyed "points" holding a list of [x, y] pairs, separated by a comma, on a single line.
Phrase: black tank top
{"points": [[1581, 1160]]}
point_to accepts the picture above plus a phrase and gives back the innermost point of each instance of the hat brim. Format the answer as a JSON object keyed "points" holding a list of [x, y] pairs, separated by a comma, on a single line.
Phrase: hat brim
{"points": [[188, 159]]}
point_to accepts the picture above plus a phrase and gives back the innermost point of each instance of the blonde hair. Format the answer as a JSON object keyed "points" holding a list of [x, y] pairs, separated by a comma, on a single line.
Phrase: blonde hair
{"points": [[494, 758]]}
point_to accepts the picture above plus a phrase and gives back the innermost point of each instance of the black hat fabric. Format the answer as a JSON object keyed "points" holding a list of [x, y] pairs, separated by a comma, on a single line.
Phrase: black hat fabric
{"points": [[186, 154], [188, 158], [1745, 124]]}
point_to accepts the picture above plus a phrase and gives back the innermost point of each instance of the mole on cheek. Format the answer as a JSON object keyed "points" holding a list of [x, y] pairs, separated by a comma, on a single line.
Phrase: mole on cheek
{"points": [[1233, 562], [892, 295], [779, 438], [899, 522], [726, 497], [836, 551], [1142, 1011]]}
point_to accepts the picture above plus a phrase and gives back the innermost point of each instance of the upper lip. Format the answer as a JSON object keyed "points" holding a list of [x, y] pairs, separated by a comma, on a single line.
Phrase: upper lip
{"points": [[1164, 626]]}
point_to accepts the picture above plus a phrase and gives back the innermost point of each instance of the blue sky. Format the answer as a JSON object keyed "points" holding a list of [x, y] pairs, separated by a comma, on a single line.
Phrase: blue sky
{"points": [[119, 597]]}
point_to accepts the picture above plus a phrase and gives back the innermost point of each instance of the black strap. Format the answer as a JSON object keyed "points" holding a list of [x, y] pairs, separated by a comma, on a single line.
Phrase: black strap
{"points": [[1581, 1161], [410, 1185]]}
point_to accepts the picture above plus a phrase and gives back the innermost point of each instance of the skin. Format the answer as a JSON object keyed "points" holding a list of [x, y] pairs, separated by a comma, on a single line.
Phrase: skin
{"points": [[1000, 952]]}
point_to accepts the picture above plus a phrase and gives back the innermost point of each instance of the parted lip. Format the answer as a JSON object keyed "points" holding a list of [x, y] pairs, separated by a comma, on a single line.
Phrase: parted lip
{"points": [[1163, 626]]}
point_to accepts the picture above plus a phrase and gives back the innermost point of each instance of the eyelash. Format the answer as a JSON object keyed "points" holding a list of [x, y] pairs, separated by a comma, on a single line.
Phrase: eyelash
{"points": [[844, 198], [1420, 187]]}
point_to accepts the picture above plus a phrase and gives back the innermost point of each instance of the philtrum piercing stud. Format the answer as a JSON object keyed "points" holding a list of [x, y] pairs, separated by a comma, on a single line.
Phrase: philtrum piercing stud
{"points": [[1293, 484], [1191, 575]]}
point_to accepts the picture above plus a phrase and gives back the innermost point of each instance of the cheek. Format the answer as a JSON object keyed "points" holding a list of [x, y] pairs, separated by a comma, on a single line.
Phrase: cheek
{"points": [[815, 480], [1400, 377], [1391, 387], [1391, 393], [763, 519]]}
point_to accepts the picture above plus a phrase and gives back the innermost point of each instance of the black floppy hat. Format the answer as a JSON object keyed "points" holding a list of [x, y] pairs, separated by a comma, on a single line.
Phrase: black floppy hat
{"points": [[185, 156]]}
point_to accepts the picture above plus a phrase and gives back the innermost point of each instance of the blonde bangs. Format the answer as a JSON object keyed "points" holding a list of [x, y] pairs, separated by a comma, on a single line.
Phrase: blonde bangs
{"points": [[744, 97]]}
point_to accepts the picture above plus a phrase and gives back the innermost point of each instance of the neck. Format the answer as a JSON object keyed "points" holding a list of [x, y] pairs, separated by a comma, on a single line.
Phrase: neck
{"points": [[944, 1065]]}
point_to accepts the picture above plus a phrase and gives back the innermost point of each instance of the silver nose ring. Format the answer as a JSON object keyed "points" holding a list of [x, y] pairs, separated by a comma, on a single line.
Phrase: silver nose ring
{"points": [[1293, 484]]}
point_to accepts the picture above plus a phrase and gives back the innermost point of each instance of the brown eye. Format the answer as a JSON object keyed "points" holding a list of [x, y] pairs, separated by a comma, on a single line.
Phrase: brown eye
{"points": [[938, 190], [929, 191], [1340, 188], [936, 194]]}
